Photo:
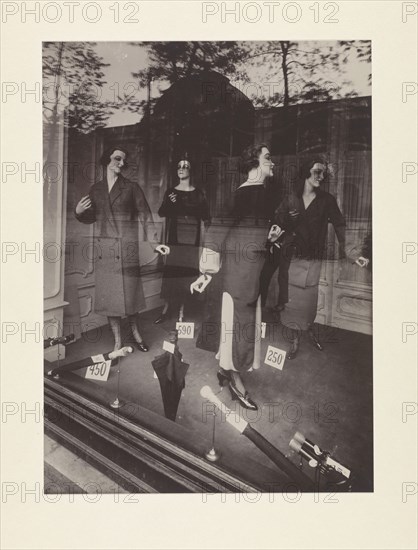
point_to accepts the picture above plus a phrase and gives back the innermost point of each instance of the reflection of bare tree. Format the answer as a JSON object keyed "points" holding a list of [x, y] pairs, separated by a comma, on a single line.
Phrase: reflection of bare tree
{"points": [[73, 79], [72, 82], [362, 49], [302, 68], [51, 125]]}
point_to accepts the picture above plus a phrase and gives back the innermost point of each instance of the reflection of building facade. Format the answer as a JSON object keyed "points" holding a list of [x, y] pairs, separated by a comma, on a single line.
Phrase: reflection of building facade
{"points": [[213, 122], [341, 131]]}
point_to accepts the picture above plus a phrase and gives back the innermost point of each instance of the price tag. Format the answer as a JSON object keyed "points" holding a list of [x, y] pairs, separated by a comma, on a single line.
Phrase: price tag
{"points": [[263, 329], [275, 357], [185, 330], [168, 346], [99, 371]]}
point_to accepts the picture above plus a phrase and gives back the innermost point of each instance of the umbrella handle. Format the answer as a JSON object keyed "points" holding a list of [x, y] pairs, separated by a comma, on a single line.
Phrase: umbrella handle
{"points": [[259, 441], [123, 352]]}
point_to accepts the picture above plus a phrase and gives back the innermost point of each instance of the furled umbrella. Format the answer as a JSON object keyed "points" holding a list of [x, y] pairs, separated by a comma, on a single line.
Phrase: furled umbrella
{"points": [[171, 372]]}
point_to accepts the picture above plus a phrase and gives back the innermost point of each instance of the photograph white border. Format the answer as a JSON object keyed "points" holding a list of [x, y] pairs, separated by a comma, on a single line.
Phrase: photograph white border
{"points": [[383, 519]]}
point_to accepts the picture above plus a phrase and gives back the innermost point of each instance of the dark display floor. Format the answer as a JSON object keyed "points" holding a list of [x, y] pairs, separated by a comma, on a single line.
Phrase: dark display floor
{"points": [[327, 396]]}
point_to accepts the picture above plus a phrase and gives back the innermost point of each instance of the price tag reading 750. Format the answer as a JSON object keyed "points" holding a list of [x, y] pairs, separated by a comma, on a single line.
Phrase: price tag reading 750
{"points": [[275, 357]]}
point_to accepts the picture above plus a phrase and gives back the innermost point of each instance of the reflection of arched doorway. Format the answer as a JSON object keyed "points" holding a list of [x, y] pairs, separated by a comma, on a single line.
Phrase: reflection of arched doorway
{"points": [[204, 116]]}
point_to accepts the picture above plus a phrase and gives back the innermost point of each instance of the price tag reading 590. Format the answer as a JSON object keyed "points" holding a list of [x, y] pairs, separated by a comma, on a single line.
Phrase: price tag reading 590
{"points": [[99, 371], [275, 357], [185, 330]]}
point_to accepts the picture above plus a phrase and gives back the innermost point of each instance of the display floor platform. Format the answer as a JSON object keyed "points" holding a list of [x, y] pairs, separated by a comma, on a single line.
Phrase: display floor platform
{"points": [[327, 396]]}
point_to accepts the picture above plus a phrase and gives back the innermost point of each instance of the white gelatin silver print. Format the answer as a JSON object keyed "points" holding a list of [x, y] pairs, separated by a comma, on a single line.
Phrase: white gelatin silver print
{"points": [[208, 275]]}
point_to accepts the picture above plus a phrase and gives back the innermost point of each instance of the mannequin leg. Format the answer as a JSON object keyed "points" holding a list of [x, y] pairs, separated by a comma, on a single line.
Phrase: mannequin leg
{"points": [[295, 337], [227, 372], [181, 313], [315, 339], [283, 280], [163, 315], [270, 266], [114, 323], [140, 344], [134, 328]]}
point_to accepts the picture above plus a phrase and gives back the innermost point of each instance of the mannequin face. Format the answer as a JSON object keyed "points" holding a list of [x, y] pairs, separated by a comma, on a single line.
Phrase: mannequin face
{"points": [[317, 174], [183, 169], [117, 161], [266, 164]]}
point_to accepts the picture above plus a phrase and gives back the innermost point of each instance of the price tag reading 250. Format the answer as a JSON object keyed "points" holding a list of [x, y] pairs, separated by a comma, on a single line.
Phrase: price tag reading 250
{"points": [[185, 330], [99, 371], [275, 357]]}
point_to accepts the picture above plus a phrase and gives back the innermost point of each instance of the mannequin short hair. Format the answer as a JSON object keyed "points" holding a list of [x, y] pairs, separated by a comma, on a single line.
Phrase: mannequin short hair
{"points": [[249, 157], [182, 159], [305, 173], [306, 167], [105, 158]]}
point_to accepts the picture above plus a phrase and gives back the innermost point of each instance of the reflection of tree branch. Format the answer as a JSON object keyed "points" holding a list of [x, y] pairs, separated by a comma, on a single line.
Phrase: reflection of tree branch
{"points": [[276, 52], [192, 58], [284, 62], [76, 66], [302, 64], [54, 110], [309, 52]]}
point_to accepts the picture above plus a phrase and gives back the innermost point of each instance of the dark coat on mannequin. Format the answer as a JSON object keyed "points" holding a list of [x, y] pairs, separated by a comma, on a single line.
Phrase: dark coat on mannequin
{"points": [[116, 216]]}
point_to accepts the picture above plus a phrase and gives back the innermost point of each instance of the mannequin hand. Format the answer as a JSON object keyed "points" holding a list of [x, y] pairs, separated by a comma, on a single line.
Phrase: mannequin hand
{"points": [[362, 262], [274, 233], [163, 249], [200, 283], [83, 205]]}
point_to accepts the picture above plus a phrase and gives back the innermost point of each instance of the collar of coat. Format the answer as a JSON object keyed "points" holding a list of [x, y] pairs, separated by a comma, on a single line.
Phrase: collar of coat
{"points": [[119, 186], [109, 198]]}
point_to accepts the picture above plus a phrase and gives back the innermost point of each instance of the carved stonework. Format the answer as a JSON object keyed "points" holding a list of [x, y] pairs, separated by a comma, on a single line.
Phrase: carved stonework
{"points": [[354, 307]]}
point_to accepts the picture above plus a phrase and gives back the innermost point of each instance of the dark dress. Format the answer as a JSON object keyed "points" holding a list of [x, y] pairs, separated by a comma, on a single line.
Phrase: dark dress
{"points": [[242, 247], [183, 234], [116, 215], [305, 249]]}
